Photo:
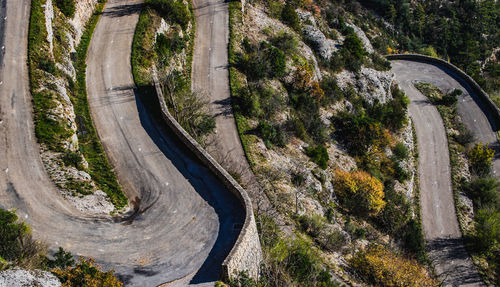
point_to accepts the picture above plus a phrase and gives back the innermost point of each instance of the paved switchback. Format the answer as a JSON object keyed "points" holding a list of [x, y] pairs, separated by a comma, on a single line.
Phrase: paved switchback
{"points": [[184, 225], [442, 233], [210, 74]]}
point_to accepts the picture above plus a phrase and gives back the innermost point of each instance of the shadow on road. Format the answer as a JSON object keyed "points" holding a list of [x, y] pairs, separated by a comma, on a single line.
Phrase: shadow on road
{"points": [[452, 249], [123, 10], [228, 209]]}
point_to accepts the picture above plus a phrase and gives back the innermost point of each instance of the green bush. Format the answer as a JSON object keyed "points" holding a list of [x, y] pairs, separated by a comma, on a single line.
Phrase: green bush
{"points": [[333, 92], [483, 191], [356, 132], [290, 17], [333, 241], [67, 7], [48, 66], [286, 42], [72, 158], [277, 60], [16, 242], [487, 225], [400, 151], [175, 10], [271, 135], [312, 225], [451, 98], [318, 155]]}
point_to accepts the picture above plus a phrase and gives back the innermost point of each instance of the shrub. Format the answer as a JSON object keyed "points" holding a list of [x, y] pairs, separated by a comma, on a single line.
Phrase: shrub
{"points": [[359, 192], [480, 158], [318, 155], [357, 132], [286, 42], [271, 135], [332, 241], [312, 225], [67, 7], [72, 158], [175, 10], [484, 191], [381, 267], [277, 60], [332, 91], [354, 47], [48, 66], [16, 242], [86, 273], [400, 151], [290, 17], [450, 99], [62, 259], [487, 225]]}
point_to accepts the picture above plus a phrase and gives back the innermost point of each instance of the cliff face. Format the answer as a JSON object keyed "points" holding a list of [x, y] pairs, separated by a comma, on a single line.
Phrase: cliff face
{"points": [[66, 165]]}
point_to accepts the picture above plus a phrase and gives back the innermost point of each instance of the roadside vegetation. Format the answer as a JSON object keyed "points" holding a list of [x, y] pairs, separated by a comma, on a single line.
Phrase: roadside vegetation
{"points": [[465, 32], [315, 141], [52, 130], [19, 249], [164, 39], [472, 178]]}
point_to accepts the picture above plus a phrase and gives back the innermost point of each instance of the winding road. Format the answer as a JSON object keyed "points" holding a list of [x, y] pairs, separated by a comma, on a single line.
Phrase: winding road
{"points": [[183, 225], [441, 230]]}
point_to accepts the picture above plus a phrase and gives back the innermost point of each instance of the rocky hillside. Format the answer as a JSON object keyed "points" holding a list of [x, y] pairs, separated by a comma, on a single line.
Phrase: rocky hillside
{"points": [[62, 120], [327, 133]]}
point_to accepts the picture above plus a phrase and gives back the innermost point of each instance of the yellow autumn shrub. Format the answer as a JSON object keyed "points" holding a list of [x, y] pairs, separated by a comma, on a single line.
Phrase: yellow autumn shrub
{"points": [[86, 273], [382, 267], [359, 191]]}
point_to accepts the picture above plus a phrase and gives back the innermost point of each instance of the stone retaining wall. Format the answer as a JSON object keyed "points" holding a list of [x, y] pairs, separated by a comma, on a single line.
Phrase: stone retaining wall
{"points": [[462, 76], [246, 254]]}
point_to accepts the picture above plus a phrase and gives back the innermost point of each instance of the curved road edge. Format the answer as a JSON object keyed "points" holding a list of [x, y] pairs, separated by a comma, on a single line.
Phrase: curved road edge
{"points": [[443, 236], [246, 254], [494, 111]]}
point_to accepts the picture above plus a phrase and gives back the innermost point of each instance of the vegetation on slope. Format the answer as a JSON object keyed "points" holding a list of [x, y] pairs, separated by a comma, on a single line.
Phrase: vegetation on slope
{"points": [[278, 101], [18, 248], [465, 31], [50, 131], [167, 51]]}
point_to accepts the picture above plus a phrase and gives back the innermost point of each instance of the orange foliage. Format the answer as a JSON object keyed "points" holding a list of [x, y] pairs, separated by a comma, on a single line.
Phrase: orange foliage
{"points": [[382, 267]]}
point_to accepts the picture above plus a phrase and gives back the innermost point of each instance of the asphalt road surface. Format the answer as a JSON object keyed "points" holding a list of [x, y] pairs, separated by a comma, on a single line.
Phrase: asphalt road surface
{"points": [[210, 74], [442, 233], [183, 227]]}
